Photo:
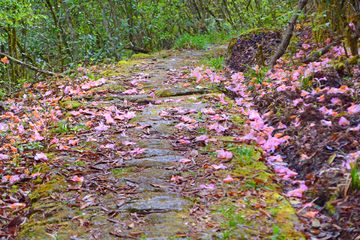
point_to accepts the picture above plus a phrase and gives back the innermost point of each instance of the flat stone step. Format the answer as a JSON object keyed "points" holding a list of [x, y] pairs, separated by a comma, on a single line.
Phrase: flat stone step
{"points": [[157, 201], [151, 179], [159, 161], [154, 147], [161, 226], [162, 127], [180, 91]]}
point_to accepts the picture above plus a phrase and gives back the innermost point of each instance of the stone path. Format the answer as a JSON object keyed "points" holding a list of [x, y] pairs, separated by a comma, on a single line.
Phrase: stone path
{"points": [[124, 198]]}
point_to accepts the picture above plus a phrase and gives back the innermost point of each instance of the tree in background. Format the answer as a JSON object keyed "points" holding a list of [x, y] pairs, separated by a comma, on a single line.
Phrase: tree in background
{"points": [[53, 35]]}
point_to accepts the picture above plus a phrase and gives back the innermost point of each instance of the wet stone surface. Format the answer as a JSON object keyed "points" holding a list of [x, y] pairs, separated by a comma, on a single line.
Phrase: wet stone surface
{"points": [[157, 201], [159, 161]]}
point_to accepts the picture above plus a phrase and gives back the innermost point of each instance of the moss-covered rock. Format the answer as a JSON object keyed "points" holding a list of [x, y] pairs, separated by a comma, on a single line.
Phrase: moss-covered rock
{"points": [[55, 185], [164, 93], [141, 56], [113, 87], [71, 104], [123, 62], [259, 31]]}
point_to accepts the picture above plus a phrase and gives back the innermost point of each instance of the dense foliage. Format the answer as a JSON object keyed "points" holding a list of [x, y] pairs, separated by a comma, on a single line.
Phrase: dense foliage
{"points": [[53, 34], [57, 34]]}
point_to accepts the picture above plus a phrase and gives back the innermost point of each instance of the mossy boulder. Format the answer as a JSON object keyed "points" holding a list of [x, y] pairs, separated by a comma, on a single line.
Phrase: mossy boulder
{"points": [[141, 56], [258, 31], [71, 104], [244, 51], [123, 62], [164, 93], [113, 87]]}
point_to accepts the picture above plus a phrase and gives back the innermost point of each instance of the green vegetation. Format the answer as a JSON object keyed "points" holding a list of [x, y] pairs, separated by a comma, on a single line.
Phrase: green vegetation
{"points": [[53, 36], [121, 170], [355, 175], [188, 41]]}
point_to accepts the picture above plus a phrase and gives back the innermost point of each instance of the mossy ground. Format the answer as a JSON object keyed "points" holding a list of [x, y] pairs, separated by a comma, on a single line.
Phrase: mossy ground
{"points": [[256, 203], [55, 185], [56, 220]]}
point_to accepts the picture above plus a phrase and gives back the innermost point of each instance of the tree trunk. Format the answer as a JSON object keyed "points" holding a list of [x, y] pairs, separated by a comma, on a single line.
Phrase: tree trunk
{"points": [[107, 30], [289, 32], [72, 31]]}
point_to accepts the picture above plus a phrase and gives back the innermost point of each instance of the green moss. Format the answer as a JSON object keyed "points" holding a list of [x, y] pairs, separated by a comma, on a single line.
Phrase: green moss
{"points": [[340, 66], [71, 104], [120, 70], [256, 177], [164, 93], [134, 119], [59, 215], [354, 60], [123, 62], [88, 146], [48, 188], [109, 98], [115, 87], [239, 121], [41, 168], [141, 56], [68, 114], [121, 170], [279, 214], [258, 31], [331, 208], [231, 46], [248, 165]]}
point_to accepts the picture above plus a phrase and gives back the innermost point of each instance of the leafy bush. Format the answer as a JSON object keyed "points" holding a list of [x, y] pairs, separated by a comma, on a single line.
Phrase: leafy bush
{"points": [[198, 42]]}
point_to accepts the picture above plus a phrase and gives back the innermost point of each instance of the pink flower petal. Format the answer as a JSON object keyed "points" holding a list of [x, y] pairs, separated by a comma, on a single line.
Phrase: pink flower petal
{"points": [[41, 156], [343, 122], [217, 167], [228, 179], [224, 154], [77, 179]]}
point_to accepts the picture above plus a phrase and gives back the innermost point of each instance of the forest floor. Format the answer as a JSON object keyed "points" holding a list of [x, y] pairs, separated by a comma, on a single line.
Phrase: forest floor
{"points": [[158, 148]]}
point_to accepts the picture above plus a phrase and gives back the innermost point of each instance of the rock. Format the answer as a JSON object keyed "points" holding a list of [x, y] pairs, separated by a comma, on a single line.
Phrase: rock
{"points": [[315, 223], [159, 161], [157, 201], [71, 104]]}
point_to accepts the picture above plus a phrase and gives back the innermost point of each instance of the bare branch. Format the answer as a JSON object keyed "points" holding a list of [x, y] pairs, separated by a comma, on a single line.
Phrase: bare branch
{"points": [[288, 35], [321, 52], [29, 66]]}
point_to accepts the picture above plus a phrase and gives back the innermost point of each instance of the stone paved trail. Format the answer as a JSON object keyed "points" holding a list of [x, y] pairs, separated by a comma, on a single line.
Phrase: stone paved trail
{"points": [[127, 198]]}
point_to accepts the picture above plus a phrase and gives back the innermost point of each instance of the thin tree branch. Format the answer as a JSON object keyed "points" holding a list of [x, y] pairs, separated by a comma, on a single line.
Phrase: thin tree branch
{"points": [[288, 35], [29, 66], [321, 52]]}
